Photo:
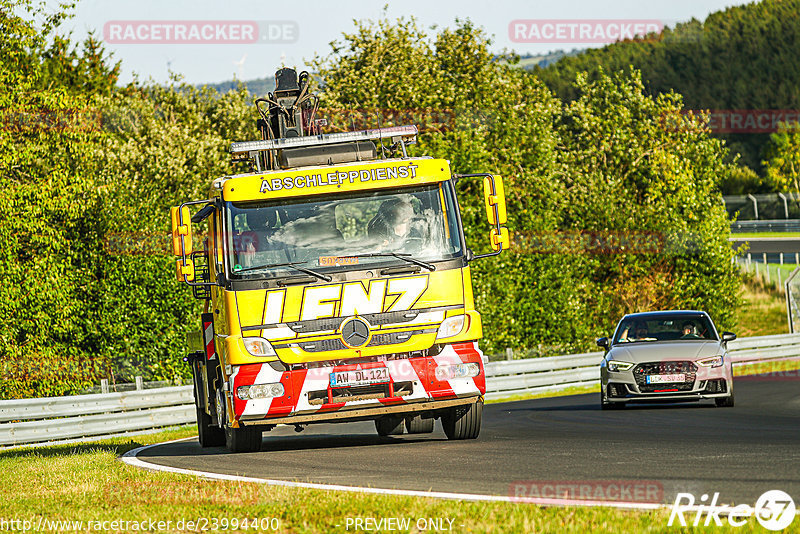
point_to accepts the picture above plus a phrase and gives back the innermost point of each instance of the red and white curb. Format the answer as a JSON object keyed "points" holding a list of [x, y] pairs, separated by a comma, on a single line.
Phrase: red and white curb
{"points": [[131, 458]]}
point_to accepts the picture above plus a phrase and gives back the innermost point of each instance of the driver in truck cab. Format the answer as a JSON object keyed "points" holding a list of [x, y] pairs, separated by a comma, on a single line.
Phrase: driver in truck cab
{"points": [[391, 226]]}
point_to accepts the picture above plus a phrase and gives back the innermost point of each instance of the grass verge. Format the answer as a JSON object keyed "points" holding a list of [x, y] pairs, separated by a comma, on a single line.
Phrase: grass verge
{"points": [[763, 310]]}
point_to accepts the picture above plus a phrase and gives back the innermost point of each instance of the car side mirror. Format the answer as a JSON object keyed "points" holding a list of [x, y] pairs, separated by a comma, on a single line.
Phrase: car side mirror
{"points": [[602, 342], [728, 336]]}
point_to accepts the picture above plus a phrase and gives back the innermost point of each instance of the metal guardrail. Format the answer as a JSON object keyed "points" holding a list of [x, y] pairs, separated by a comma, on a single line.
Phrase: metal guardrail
{"points": [[55, 418]]}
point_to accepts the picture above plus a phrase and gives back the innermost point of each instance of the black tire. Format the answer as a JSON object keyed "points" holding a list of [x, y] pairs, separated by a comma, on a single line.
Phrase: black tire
{"points": [[724, 402], [418, 425], [463, 422], [389, 425], [605, 405], [207, 435], [245, 439]]}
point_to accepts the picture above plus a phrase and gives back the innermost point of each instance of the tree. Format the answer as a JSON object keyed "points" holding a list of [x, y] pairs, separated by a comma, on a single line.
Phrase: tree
{"points": [[783, 158]]}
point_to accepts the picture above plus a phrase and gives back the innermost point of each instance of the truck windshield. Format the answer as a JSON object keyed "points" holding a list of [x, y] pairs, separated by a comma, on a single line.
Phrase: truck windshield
{"points": [[342, 232]]}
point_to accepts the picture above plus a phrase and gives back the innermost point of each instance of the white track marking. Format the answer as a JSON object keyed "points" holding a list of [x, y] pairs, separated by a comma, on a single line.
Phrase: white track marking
{"points": [[131, 458]]}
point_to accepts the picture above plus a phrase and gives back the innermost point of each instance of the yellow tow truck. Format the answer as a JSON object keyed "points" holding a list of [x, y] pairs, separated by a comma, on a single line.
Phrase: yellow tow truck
{"points": [[336, 282]]}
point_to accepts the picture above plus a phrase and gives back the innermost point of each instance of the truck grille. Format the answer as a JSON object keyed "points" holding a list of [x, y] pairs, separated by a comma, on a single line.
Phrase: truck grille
{"points": [[389, 338], [641, 371]]}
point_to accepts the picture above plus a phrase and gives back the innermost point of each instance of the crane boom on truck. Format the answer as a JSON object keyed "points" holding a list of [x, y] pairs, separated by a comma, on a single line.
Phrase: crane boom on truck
{"points": [[336, 282]]}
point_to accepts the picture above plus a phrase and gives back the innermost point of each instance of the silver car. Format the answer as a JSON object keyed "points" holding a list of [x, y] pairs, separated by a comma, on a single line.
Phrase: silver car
{"points": [[672, 356]]}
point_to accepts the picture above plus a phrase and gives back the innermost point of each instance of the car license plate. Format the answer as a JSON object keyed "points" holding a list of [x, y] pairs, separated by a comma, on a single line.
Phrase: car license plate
{"points": [[360, 377], [665, 379]]}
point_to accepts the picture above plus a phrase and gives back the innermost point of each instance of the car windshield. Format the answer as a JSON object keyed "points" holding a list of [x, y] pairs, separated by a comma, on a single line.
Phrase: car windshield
{"points": [[343, 232], [667, 327]]}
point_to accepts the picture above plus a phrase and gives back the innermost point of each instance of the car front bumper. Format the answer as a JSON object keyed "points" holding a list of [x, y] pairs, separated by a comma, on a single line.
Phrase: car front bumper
{"points": [[707, 383]]}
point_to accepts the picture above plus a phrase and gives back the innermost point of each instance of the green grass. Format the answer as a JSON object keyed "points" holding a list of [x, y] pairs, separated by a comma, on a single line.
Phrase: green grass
{"points": [[763, 311]]}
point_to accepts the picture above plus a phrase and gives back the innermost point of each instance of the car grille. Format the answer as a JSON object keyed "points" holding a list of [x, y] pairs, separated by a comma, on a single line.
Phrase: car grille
{"points": [[641, 371]]}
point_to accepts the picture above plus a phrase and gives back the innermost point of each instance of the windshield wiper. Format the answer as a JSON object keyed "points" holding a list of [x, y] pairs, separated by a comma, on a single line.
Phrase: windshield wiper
{"points": [[293, 264], [404, 257]]}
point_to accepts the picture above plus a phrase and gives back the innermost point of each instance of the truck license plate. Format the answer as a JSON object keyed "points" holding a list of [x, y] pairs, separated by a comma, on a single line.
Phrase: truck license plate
{"points": [[360, 377], [665, 379]]}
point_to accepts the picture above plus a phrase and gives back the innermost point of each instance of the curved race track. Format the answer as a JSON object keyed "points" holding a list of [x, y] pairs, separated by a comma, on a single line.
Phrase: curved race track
{"points": [[739, 452]]}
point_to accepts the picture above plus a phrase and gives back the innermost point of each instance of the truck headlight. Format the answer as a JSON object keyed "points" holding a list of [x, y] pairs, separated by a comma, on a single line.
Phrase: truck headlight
{"points": [[615, 366], [451, 326], [258, 346], [260, 391], [714, 361], [461, 370]]}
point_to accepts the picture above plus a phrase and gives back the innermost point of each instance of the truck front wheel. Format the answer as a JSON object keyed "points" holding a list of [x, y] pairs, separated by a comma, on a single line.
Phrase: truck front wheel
{"points": [[389, 425], [463, 422], [209, 436], [418, 425], [246, 439]]}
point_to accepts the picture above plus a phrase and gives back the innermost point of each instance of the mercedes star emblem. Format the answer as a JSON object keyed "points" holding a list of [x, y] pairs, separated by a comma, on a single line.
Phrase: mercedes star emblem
{"points": [[355, 332]]}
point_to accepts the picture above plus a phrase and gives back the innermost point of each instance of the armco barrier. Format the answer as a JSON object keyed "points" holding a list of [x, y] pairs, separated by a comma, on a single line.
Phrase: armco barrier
{"points": [[56, 418]]}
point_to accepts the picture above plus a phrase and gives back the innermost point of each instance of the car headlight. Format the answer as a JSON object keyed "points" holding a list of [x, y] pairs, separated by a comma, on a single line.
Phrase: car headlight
{"points": [[260, 391], [614, 365], [258, 346], [714, 361], [451, 326], [461, 370]]}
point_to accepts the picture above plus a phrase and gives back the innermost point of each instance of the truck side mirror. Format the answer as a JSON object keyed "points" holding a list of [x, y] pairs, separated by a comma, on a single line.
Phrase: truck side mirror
{"points": [[182, 243], [181, 231], [500, 240], [495, 199]]}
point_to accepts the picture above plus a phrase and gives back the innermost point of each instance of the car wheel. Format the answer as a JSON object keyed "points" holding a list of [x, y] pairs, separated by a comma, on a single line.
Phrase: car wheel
{"points": [[605, 405], [418, 425], [463, 422], [725, 402], [389, 425]]}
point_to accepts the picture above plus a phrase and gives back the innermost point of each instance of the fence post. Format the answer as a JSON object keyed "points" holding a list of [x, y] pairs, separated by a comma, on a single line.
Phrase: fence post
{"points": [[755, 204], [766, 266], [104, 385], [509, 354], [139, 383]]}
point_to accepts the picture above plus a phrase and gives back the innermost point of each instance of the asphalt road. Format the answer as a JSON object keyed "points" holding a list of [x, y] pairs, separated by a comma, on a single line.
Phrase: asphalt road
{"points": [[739, 452], [770, 245]]}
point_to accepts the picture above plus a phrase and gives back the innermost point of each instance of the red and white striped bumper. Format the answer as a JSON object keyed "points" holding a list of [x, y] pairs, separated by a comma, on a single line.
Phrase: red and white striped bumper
{"points": [[308, 391]]}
